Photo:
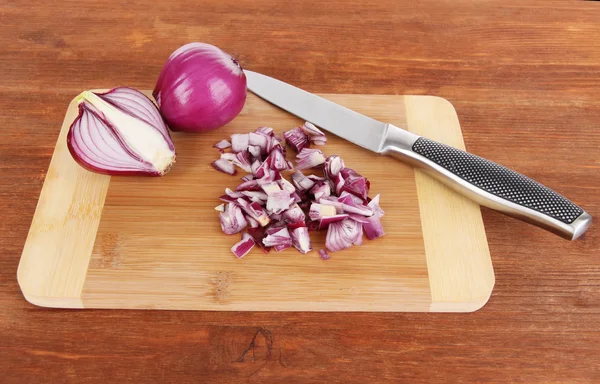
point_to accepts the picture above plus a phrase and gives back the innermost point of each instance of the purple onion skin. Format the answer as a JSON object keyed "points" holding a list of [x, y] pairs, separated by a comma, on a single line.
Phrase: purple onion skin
{"points": [[95, 169], [200, 88]]}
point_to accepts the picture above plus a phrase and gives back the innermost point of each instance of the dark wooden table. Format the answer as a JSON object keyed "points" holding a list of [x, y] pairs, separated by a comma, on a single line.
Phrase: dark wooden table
{"points": [[524, 77]]}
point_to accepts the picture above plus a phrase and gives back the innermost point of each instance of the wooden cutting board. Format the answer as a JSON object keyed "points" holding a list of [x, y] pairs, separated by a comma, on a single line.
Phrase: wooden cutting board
{"points": [[133, 242]]}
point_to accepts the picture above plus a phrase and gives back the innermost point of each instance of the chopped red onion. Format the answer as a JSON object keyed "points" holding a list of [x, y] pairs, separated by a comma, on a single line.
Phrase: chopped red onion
{"points": [[232, 220], [254, 210], [286, 185], [251, 222], [242, 247], [224, 166], [309, 158], [301, 240], [279, 238], [275, 209], [233, 194], [258, 234], [355, 183], [324, 255], [258, 196], [326, 220], [266, 131], [258, 140], [220, 208], [374, 205], [254, 150], [321, 190], [294, 214], [357, 200], [242, 160], [315, 134], [239, 142], [221, 145], [296, 138], [333, 165], [276, 160], [250, 185], [278, 202], [301, 182], [318, 211]]}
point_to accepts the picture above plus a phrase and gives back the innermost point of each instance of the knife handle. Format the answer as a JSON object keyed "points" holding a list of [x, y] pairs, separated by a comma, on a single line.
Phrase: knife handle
{"points": [[489, 184]]}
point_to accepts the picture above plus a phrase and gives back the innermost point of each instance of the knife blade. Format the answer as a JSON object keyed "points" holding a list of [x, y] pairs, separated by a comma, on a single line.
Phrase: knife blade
{"points": [[484, 181]]}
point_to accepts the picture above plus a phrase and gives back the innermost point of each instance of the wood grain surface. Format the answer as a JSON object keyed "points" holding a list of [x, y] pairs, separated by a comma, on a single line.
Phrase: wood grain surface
{"points": [[524, 76]]}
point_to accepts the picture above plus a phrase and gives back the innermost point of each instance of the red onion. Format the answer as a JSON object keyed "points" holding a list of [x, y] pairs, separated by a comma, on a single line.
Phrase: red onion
{"points": [[120, 132], [275, 209], [324, 255], [241, 248], [232, 220], [222, 145], [315, 134], [200, 88], [296, 138]]}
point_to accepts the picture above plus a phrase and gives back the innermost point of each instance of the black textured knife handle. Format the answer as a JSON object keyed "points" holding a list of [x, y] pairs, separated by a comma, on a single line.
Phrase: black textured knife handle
{"points": [[490, 184]]}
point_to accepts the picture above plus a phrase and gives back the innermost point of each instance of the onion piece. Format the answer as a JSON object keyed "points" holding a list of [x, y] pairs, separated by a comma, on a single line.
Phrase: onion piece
{"points": [[279, 238], [222, 145], [321, 190], [278, 202], [315, 134], [120, 132], [374, 205], [296, 138], [327, 220], [333, 165], [309, 158], [254, 150], [224, 166], [324, 255], [239, 142], [301, 182], [220, 208], [254, 210], [200, 88], [343, 234], [258, 234], [294, 215], [242, 247], [251, 222], [318, 211], [232, 220], [301, 240], [266, 131]]}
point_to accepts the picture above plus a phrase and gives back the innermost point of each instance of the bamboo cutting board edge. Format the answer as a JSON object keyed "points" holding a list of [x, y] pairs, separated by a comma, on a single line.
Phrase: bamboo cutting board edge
{"points": [[460, 272]]}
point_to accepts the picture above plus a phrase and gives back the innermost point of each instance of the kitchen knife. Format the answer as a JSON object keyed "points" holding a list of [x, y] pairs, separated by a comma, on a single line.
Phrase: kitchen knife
{"points": [[485, 182]]}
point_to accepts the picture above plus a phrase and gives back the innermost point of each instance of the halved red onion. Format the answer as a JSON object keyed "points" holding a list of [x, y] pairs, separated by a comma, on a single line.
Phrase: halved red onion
{"points": [[301, 240], [242, 247], [232, 220], [120, 132], [309, 158], [296, 138]]}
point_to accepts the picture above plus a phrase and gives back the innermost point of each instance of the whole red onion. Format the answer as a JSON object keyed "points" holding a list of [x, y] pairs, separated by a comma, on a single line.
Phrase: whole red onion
{"points": [[200, 88]]}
